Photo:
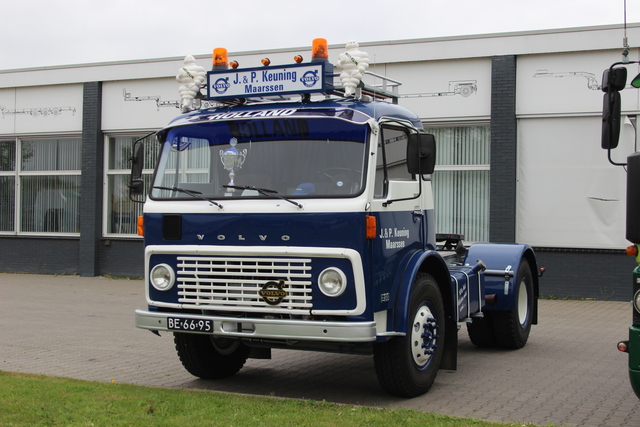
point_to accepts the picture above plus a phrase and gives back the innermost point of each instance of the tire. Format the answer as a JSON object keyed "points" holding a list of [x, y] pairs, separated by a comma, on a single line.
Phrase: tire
{"points": [[480, 331], [407, 366], [512, 327], [210, 358]]}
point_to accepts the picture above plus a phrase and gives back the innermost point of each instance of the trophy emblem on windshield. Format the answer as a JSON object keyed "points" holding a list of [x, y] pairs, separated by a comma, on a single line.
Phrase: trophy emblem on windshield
{"points": [[232, 159]]}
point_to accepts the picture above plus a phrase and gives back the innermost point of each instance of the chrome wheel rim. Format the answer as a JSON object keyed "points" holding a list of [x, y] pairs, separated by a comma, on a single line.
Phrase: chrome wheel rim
{"points": [[424, 335], [523, 304]]}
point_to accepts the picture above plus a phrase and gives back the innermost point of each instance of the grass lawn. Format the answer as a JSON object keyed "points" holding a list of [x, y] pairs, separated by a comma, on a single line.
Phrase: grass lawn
{"points": [[36, 400]]}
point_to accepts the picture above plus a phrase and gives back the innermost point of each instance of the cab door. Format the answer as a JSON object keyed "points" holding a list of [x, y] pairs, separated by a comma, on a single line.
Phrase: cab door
{"points": [[398, 205]]}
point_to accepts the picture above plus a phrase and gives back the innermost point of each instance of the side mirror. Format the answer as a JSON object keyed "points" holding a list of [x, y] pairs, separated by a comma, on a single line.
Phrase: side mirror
{"points": [[613, 81], [611, 120], [136, 184], [421, 154], [137, 160], [136, 187]]}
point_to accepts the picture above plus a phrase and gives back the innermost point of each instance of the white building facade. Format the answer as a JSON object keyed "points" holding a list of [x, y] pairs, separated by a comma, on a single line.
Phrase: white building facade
{"points": [[517, 118]]}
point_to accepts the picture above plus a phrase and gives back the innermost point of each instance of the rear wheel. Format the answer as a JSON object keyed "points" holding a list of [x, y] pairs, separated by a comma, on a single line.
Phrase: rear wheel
{"points": [[512, 327], [407, 366], [210, 358]]}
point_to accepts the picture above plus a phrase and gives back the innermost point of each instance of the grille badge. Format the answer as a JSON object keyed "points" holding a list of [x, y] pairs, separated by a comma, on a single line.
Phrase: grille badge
{"points": [[273, 293]]}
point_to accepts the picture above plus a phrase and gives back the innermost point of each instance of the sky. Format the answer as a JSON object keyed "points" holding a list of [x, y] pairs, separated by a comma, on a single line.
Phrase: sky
{"points": [[40, 33]]}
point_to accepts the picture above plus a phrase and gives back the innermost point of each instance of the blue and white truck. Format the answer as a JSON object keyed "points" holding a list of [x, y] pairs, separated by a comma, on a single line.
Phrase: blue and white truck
{"points": [[296, 215]]}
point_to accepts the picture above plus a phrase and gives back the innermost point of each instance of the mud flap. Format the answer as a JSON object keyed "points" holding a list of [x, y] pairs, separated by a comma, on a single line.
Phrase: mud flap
{"points": [[450, 356]]}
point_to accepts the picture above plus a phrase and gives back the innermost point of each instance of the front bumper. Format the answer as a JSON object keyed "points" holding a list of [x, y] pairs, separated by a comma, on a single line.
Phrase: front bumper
{"points": [[258, 328]]}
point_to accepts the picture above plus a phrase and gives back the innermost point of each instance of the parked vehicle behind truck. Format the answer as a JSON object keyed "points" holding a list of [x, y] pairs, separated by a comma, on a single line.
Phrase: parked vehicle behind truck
{"points": [[614, 80], [296, 215]]}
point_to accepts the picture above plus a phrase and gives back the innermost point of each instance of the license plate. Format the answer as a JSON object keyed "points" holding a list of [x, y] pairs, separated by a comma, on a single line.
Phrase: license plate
{"points": [[191, 325]]}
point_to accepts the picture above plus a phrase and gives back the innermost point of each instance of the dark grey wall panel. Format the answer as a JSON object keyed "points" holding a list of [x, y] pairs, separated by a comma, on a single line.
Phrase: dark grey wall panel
{"points": [[504, 138], [92, 171], [603, 275], [122, 258], [39, 255]]}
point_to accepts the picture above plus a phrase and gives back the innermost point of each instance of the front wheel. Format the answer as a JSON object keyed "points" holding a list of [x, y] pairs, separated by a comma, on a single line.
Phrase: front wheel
{"points": [[210, 358], [407, 366]]}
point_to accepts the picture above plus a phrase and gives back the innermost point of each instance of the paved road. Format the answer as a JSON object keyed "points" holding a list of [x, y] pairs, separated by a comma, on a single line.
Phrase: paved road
{"points": [[570, 372]]}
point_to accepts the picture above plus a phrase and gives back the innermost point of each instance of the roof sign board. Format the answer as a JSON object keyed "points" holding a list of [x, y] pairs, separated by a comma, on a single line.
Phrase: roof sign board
{"points": [[315, 77]]}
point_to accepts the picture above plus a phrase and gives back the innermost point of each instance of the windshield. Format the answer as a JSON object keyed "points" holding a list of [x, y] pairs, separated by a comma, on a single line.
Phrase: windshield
{"points": [[297, 158]]}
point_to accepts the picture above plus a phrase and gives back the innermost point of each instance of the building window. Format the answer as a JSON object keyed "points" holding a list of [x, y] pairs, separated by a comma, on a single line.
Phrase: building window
{"points": [[7, 185], [121, 212], [461, 181], [40, 186]]}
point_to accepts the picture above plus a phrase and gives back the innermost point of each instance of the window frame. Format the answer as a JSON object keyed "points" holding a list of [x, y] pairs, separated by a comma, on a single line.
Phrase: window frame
{"points": [[12, 173], [18, 173], [462, 167]]}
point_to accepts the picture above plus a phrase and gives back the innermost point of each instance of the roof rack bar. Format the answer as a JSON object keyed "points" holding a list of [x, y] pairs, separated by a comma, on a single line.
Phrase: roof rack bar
{"points": [[376, 91], [386, 82]]}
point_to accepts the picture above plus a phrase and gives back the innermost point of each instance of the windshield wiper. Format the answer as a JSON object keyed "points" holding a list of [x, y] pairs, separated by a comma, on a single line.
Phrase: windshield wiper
{"points": [[264, 192], [192, 193]]}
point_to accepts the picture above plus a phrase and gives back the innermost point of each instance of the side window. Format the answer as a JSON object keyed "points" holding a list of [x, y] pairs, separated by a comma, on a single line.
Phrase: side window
{"points": [[40, 185], [392, 159], [49, 178]]}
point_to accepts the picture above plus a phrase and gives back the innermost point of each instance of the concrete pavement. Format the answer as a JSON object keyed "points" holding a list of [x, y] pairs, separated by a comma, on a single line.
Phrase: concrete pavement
{"points": [[570, 372]]}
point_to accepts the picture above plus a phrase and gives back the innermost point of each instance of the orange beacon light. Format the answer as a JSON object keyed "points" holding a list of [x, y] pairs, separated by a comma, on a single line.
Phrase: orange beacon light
{"points": [[220, 59], [319, 50]]}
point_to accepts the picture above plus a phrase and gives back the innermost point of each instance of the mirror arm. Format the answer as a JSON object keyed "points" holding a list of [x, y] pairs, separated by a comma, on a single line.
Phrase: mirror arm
{"points": [[611, 160]]}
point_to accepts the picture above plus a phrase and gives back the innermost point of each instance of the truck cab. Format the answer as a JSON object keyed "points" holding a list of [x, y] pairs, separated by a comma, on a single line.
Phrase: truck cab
{"points": [[302, 218]]}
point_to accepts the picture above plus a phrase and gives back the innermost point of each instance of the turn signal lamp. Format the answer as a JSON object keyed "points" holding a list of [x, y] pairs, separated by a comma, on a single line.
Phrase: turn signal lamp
{"points": [[298, 59], [319, 50], [266, 62], [632, 250], [140, 226], [370, 227], [220, 59]]}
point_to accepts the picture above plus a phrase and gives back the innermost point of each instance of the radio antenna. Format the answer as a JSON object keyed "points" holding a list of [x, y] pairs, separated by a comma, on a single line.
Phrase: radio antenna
{"points": [[625, 42]]}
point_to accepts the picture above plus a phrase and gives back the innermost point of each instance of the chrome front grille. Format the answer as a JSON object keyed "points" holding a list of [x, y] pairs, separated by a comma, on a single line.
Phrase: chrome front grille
{"points": [[233, 283]]}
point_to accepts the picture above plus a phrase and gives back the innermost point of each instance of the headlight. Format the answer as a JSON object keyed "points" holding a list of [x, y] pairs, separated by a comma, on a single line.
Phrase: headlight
{"points": [[332, 282], [636, 301], [162, 277]]}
